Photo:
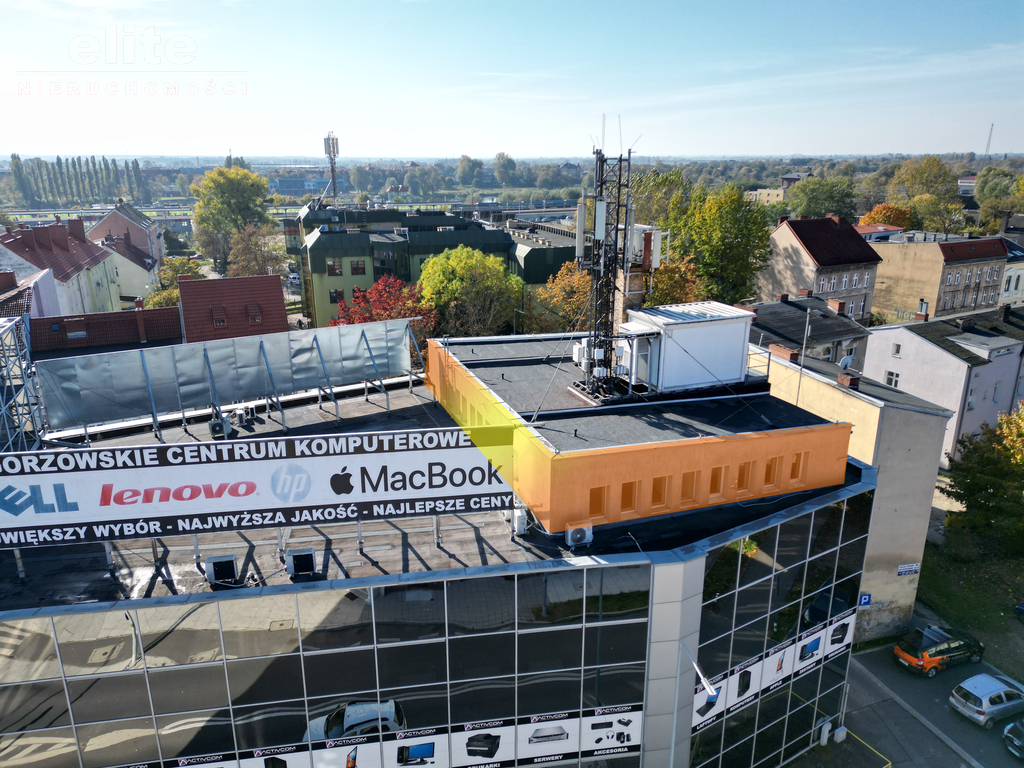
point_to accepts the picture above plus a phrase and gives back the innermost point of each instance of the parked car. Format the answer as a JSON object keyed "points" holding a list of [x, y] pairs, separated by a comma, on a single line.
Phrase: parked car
{"points": [[355, 718], [926, 651], [1013, 738], [983, 699], [1019, 611], [826, 605]]}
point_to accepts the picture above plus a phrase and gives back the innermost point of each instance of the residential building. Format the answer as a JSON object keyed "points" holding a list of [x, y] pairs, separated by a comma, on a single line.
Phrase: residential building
{"points": [[826, 256], [766, 196], [1012, 292], [819, 329], [965, 184], [301, 187], [877, 233], [232, 307], [574, 171], [85, 272], [938, 277], [144, 230], [787, 180], [538, 255], [969, 364], [53, 336], [138, 273], [900, 435], [35, 295]]}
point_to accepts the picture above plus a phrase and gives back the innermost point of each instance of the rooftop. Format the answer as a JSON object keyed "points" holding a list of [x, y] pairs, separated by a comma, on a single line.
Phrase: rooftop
{"points": [[967, 250], [63, 248], [783, 322], [982, 330], [832, 241]]}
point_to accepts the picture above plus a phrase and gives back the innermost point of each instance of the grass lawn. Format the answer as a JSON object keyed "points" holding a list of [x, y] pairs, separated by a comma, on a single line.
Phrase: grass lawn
{"points": [[978, 597]]}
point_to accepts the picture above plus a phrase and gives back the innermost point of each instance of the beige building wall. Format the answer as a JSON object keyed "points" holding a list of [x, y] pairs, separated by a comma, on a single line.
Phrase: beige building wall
{"points": [[904, 444], [789, 270], [908, 273]]}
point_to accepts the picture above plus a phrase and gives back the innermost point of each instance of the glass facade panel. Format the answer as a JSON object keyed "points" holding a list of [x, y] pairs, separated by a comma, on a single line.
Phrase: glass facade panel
{"points": [[549, 692], [270, 726], [773, 707], [739, 727], [706, 744], [805, 689], [615, 643], [618, 593], [174, 690], [551, 598], [714, 657], [851, 558], [482, 656], [412, 664], [739, 756], [180, 634], [271, 679], [30, 653], [758, 556], [612, 686], [793, 538], [560, 649], [195, 733], [720, 571], [829, 702], [91, 643], [749, 641], [340, 618], [409, 612], [858, 516], [55, 748], [117, 743], [481, 605], [799, 724], [820, 572], [477, 700], [259, 627], [752, 602], [424, 706], [30, 706], [825, 529], [109, 698], [343, 672], [788, 585], [769, 741], [716, 618]]}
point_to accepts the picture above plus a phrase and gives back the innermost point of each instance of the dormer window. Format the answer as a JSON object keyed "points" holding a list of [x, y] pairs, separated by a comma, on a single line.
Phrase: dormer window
{"points": [[220, 317], [252, 309]]}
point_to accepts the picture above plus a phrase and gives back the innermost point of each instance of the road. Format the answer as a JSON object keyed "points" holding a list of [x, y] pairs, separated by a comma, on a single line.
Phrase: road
{"points": [[930, 698]]}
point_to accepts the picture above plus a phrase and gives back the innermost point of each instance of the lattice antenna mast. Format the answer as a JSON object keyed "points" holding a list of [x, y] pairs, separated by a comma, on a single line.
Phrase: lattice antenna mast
{"points": [[331, 150], [988, 146]]}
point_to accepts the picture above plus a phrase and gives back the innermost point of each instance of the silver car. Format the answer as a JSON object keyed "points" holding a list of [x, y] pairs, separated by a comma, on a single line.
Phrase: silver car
{"points": [[987, 698], [1013, 738]]}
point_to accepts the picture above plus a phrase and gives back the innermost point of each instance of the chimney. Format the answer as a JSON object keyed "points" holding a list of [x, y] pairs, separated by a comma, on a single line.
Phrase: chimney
{"points": [[8, 280], [139, 303], [782, 297], [140, 320], [782, 220], [28, 237], [801, 218], [183, 278], [10, 230], [837, 306], [76, 228], [852, 382], [834, 216], [43, 238], [56, 217], [127, 238], [805, 292], [921, 317], [787, 354], [59, 236]]}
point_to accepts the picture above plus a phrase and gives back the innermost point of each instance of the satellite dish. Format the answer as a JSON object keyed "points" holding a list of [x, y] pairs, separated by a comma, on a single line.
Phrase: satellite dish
{"points": [[846, 362]]}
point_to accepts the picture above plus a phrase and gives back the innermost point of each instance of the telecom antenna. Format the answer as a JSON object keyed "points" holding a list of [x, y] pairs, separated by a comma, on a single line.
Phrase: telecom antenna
{"points": [[331, 150], [988, 146]]}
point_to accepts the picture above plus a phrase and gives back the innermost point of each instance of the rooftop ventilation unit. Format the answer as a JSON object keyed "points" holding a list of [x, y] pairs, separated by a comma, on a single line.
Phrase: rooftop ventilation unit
{"points": [[300, 562], [577, 537], [222, 569], [219, 429]]}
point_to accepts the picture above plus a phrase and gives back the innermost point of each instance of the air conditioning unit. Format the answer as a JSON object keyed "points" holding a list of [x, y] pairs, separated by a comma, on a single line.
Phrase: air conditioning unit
{"points": [[577, 537], [300, 562], [521, 521], [334, 218], [238, 417], [222, 569], [250, 413], [218, 429]]}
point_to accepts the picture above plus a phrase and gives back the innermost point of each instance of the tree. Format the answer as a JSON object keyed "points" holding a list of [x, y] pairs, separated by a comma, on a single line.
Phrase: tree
{"points": [[229, 199], [939, 215], [472, 293], [182, 182], [168, 295], [504, 168], [729, 243], [22, 181], [567, 295], [775, 211], [815, 197], [389, 299], [175, 245], [466, 170], [994, 184], [360, 177], [887, 213], [926, 175], [676, 281], [253, 252]]}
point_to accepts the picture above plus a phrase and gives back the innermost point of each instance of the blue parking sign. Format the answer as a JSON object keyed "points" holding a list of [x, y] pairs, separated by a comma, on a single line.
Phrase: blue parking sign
{"points": [[865, 599]]}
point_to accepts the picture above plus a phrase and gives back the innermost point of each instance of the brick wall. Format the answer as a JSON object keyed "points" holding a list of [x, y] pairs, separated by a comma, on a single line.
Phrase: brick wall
{"points": [[102, 329]]}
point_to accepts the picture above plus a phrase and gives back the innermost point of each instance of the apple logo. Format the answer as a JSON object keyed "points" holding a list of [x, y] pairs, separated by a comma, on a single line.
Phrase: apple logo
{"points": [[341, 483]]}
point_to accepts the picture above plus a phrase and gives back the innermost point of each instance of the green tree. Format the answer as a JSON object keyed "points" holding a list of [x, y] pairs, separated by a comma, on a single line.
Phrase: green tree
{"points": [[167, 295], [994, 184], [129, 182], [254, 252], [23, 182], [939, 215], [728, 241], [504, 168], [175, 245], [229, 200], [567, 295], [887, 213], [360, 178], [466, 170], [472, 293], [926, 175], [775, 211], [674, 282], [815, 197], [182, 182]]}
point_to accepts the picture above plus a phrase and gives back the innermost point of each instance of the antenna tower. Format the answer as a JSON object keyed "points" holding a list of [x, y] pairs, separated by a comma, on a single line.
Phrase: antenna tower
{"points": [[331, 150], [988, 146]]}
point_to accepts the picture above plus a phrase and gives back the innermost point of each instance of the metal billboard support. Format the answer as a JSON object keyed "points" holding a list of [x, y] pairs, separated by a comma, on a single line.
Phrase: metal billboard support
{"points": [[152, 399], [273, 386], [213, 388], [330, 388], [380, 379]]}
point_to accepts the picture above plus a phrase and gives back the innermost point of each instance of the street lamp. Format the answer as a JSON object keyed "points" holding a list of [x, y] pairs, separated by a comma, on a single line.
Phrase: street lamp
{"points": [[713, 695]]}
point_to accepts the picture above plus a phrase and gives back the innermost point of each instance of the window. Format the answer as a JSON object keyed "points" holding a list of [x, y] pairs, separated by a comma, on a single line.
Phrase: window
{"points": [[334, 268], [896, 349], [821, 286], [988, 273], [771, 472], [718, 480], [219, 322], [358, 267], [949, 278], [255, 319], [336, 295], [892, 379], [689, 487], [598, 501], [977, 275], [862, 303], [945, 301], [798, 468], [922, 305], [970, 400], [55, 328], [1008, 280], [968, 276], [995, 273], [995, 393], [867, 279], [832, 283], [846, 282], [744, 475], [1016, 283], [974, 298], [628, 498], [856, 279], [659, 492]]}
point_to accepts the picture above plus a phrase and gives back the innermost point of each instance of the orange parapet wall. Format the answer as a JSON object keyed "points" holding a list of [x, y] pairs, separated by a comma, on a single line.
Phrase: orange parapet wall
{"points": [[610, 485]]}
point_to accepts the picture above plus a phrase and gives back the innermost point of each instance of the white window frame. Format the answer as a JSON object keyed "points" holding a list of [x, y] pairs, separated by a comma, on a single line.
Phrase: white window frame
{"points": [[846, 282], [832, 284], [821, 285], [867, 279], [856, 279], [956, 281], [949, 278], [892, 379]]}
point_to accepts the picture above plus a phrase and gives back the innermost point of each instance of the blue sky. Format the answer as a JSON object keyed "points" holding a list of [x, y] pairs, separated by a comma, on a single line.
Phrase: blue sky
{"points": [[426, 78]]}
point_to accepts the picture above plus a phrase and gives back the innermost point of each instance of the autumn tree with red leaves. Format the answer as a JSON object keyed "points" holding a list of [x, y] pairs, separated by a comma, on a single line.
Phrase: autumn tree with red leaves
{"points": [[389, 299]]}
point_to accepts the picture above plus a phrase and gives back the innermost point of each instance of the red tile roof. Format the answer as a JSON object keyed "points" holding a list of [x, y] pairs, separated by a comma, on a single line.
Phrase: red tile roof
{"points": [[203, 300], [60, 247], [106, 329], [967, 250], [832, 242]]}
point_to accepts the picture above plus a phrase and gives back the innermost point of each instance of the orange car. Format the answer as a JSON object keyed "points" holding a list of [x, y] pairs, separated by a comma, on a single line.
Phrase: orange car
{"points": [[926, 651]]}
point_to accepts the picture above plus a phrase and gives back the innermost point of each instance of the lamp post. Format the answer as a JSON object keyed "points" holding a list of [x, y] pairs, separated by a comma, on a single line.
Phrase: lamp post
{"points": [[712, 696]]}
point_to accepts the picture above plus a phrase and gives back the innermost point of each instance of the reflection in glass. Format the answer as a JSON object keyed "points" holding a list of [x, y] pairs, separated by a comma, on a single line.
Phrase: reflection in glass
{"points": [[758, 558], [328, 673], [412, 664], [792, 546], [481, 605], [805, 688], [612, 686], [97, 642], [788, 585], [716, 618], [33, 705], [783, 623], [483, 699], [618, 593], [739, 756], [551, 598], [180, 634], [351, 715], [424, 706], [834, 671], [773, 706], [174, 690], [752, 601], [117, 743], [615, 644], [800, 723], [273, 679], [482, 656], [195, 733], [32, 655], [109, 698], [720, 570], [714, 657], [705, 744], [409, 611], [820, 572], [748, 641], [549, 692], [339, 618], [816, 609], [769, 741], [846, 593], [828, 702], [40, 749], [858, 516], [795, 747], [259, 626], [851, 558], [560, 649], [826, 527], [270, 725]]}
